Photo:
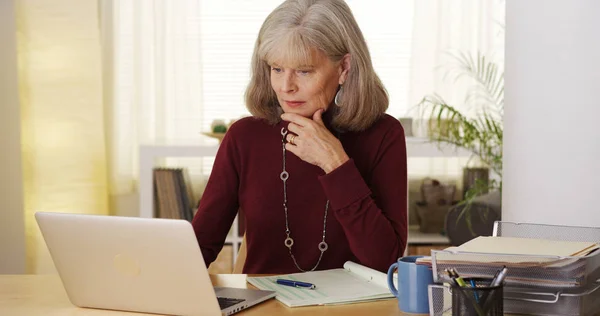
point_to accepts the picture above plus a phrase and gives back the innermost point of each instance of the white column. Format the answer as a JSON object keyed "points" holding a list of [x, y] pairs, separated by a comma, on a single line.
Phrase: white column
{"points": [[552, 112], [12, 224]]}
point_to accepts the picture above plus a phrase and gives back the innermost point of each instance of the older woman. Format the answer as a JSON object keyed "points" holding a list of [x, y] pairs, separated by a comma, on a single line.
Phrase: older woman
{"points": [[319, 170]]}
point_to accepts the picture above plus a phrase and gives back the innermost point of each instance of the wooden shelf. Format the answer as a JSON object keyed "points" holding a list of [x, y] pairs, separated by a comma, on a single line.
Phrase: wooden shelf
{"points": [[415, 237]]}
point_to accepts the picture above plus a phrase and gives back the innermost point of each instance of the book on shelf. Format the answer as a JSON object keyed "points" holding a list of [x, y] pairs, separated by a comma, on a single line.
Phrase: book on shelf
{"points": [[171, 194], [185, 195], [351, 284]]}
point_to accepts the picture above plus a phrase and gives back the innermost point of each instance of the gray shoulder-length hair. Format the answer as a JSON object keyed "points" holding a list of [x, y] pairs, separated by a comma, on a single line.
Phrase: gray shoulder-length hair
{"points": [[289, 34]]}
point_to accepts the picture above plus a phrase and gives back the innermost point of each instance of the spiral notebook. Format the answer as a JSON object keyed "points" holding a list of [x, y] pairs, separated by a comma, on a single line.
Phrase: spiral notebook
{"points": [[352, 284]]}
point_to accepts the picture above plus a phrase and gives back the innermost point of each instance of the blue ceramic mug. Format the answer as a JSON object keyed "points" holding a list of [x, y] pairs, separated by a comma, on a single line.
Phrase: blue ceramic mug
{"points": [[413, 280]]}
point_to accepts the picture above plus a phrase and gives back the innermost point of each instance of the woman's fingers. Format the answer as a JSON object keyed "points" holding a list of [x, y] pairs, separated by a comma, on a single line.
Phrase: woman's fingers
{"points": [[296, 119], [295, 128], [292, 139]]}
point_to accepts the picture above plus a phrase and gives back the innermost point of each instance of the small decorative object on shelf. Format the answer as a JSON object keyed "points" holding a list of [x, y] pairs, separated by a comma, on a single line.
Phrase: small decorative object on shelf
{"points": [[218, 129], [436, 200], [440, 127], [476, 177], [407, 123]]}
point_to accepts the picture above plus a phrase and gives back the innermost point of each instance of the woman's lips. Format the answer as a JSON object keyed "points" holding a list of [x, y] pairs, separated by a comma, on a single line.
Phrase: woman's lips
{"points": [[294, 104]]}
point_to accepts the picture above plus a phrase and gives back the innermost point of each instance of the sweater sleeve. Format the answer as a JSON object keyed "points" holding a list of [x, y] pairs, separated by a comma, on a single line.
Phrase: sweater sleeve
{"points": [[219, 203], [374, 219]]}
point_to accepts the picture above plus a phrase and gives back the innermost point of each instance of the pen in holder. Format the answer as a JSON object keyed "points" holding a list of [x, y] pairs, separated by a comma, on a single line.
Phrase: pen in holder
{"points": [[479, 300]]}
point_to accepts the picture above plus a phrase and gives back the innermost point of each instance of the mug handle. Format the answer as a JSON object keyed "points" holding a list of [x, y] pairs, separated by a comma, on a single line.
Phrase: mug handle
{"points": [[390, 279]]}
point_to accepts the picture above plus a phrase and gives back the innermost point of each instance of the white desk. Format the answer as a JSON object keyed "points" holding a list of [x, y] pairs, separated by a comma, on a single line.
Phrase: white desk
{"points": [[207, 147]]}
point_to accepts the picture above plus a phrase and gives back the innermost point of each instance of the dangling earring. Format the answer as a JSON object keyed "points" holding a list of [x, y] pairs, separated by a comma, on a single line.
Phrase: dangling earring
{"points": [[337, 98]]}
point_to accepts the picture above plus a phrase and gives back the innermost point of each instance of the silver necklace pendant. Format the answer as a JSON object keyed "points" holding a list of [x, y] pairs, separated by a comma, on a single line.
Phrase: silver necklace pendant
{"points": [[289, 241]]}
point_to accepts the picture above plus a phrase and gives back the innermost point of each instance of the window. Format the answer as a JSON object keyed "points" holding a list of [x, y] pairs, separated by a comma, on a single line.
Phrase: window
{"points": [[175, 66], [228, 30]]}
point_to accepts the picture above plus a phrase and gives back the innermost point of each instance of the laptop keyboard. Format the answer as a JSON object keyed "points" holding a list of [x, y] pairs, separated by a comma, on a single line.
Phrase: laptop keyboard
{"points": [[225, 302]]}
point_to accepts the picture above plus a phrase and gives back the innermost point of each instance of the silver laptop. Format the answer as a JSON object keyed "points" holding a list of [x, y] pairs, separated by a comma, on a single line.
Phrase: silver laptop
{"points": [[137, 264]]}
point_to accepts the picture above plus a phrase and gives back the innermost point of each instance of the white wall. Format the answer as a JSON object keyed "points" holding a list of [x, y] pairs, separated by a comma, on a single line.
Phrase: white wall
{"points": [[552, 112], [12, 225]]}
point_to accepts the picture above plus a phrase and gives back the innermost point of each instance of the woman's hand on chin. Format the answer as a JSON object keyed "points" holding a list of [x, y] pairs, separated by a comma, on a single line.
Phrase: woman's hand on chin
{"points": [[312, 142]]}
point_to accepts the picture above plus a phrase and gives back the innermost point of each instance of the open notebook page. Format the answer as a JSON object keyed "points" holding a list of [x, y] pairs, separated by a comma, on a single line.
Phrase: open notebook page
{"points": [[333, 286]]}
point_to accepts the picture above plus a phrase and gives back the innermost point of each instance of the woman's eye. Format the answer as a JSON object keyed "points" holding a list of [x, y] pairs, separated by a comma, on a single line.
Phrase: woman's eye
{"points": [[304, 72], [275, 69]]}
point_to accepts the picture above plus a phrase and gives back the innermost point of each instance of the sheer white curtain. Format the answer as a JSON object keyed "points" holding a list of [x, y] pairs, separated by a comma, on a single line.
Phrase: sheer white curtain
{"points": [[153, 79], [444, 27], [441, 28], [229, 29]]}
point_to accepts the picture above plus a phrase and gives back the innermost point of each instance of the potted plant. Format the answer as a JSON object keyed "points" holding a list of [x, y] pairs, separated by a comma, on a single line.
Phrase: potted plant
{"points": [[478, 130]]}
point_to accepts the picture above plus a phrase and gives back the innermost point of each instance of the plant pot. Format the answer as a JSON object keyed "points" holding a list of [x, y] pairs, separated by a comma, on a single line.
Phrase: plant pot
{"points": [[463, 225]]}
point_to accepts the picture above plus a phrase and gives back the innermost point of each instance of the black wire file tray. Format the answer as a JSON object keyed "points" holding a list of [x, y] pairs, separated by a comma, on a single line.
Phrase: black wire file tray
{"points": [[527, 271]]}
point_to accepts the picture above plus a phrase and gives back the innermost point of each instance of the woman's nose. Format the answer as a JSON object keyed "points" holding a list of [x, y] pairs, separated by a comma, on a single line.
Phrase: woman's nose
{"points": [[288, 85]]}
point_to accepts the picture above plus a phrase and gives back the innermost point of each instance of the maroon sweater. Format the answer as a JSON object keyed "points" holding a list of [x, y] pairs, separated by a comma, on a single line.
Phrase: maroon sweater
{"points": [[367, 218]]}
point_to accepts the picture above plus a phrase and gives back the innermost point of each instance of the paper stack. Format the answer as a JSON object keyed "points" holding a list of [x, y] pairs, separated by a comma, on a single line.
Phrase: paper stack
{"points": [[528, 246], [532, 262]]}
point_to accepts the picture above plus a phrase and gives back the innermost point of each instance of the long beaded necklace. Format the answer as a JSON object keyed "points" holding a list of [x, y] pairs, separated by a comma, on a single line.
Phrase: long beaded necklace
{"points": [[289, 241]]}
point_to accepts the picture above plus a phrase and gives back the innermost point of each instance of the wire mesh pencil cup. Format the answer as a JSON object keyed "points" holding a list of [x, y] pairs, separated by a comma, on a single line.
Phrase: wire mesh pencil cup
{"points": [[478, 298]]}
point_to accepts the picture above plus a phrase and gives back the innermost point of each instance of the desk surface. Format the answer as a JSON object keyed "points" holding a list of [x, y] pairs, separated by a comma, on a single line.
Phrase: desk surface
{"points": [[32, 295]]}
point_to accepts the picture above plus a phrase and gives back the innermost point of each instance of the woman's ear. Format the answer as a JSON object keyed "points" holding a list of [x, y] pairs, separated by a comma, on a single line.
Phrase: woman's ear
{"points": [[345, 68]]}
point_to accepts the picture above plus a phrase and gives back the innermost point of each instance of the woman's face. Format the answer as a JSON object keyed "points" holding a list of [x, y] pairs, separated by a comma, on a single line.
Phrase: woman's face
{"points": [[306, 88]]}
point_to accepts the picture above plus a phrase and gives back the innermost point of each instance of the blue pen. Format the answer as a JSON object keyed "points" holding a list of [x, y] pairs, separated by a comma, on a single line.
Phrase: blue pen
{"points": [[296, 284], [475, 291]]}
